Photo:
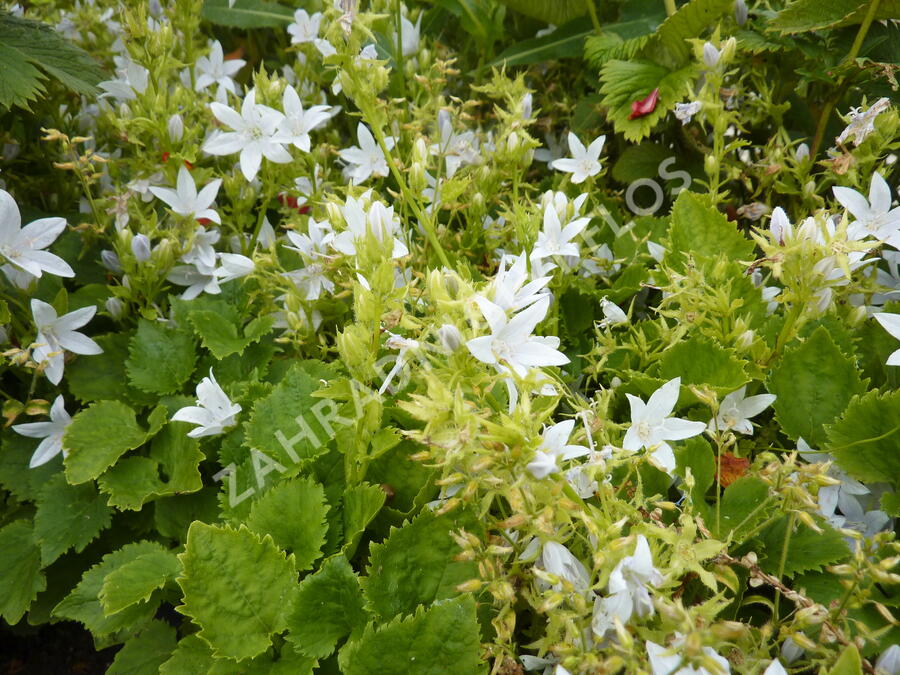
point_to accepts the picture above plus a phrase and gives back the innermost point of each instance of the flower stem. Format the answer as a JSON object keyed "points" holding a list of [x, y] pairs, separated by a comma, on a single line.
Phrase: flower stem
{"points": [[594, 18], [792, 519], [670, 7]]}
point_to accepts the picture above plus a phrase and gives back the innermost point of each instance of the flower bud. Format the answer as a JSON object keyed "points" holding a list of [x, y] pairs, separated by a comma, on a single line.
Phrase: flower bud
{"points": [[711, 55], [175, 127], [740, 12], [110, 261], [420, 150], [450, 337], [140, 246], [115, 307], [728, 49], [711, 164]]}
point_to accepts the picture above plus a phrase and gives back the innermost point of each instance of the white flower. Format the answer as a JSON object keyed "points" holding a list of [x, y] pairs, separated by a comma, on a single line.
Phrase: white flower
{"points": [[684, 112], [511, 343], [612, 313], [297, 123], [326, 49], [668, 662], [410, 35], [863, 123], [711, 55], [449, 337], [775, 668], [132, 80], [559, 561], [214, 410], [891, 323], [457, 149], [556, 149], [555, 445], [200, 278], [844, 496], [254, 135], [780, 226], [311, 279], [366, 159], [555, 239], [51, 432], [214, 69], [736, 409], [874, 217], [404, 345], [889, 661], [57, 333], [627, 589], [651, 425], [185, 201], [305, 27], [380, 222], [23, 246], [509, 291], [584, 162]]}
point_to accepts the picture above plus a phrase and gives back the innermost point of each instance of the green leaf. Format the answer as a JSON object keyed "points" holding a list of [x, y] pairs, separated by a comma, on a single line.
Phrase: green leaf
{"points": [[866, 439], [557, 13], [284, 425], [219, 333], [171, 468], [564, 43], [136, 580], [21, 578], [328, 606], [743, 506], [699, 360], [697, 455], [193, 655], [68, 516], [237, 588], [361, 504], [97, 437], [890, 503], [445, 636], [247, 13], [625, 82], [807, 15], [688, 22], [161, 359], [814, 382], [699, 230], [15, 475], [848, 664], [406, 479], [640, 161], [145, 652], [30, 51], [806, 549], [414, 566], [103, 379], [83, 603], [294, 513]]}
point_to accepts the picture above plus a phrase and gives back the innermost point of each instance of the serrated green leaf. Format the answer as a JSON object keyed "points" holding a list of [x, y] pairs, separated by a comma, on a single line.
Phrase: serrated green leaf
{"points": [[361, 504], [625, 82], [814, 382], [608, 46], [283, 424], [21, 578], [29, 50], [68, 516], [328, 606], [83, 603], [557, 13], [640, 161], [219, 334], [689, 22], [294, 513], [743, 506], [890, 503], [806, 550], [161, 359], [193, 655], [699, 360], [237, 588], [405, 478], [808, 15], [697, 455], [247, 13], [136, 580], [144, 653], [414, 566], [103, 379], [699, 230], [443, 636], [97, 437], [866, 439], [15, 474]]}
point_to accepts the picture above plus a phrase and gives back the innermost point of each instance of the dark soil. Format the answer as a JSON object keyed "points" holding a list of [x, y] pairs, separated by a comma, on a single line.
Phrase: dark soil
{"points": [[57, 649]]}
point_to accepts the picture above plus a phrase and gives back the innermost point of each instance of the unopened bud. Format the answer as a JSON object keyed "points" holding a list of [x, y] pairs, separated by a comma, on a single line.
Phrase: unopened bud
{"points": [[450, 337], [740, 12], [115, 307], [175, 127], [711, 55], [140, 246], [470, 586], [110, 261]]}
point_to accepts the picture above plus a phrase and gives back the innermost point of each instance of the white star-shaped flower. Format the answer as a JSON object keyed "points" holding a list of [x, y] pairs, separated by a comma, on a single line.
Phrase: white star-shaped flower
{"points": [[891, 323], [584, 162], [651, 425], [874, 216], [736, 409], [214, 410], [628, 590], [509, 291], [554, 239], [254, 135], [297, 123], [51, 432], [380, 222], [186, 201], [214, 69], [366, 159], [305, 27], [57, 333], [555, 445], [511, 343], [23, 246]]}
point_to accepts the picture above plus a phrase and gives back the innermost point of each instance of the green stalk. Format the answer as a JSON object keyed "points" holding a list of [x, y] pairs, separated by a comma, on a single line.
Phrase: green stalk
{"points": [[792, 519], [594, 18], [833, 100], [401, 63], [670, 7]]}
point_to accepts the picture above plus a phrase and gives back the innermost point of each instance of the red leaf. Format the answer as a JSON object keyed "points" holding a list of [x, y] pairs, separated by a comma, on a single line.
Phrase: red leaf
{"points": [[645, 106]]}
